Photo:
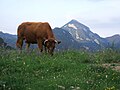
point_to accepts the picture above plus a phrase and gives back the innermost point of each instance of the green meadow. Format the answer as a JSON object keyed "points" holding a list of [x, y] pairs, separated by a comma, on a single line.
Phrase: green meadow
{"points": [[65, 70]]}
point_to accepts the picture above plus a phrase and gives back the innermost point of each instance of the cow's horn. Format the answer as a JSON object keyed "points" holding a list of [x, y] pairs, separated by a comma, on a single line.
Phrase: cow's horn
{"points": [[45, 41], [56, 41]]}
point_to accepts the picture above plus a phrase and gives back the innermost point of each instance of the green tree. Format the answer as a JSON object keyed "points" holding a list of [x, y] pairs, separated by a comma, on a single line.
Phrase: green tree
{"points": [[2, 43]]}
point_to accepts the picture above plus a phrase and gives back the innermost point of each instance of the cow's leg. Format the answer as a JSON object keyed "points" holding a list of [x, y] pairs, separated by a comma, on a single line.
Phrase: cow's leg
{"points": [[39, 41], [27, 47], [45, 49], [19, 43]]}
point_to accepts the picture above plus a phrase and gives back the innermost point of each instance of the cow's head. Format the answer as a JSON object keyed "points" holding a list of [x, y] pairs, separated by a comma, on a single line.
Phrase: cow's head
{"points": [[50, 45]]}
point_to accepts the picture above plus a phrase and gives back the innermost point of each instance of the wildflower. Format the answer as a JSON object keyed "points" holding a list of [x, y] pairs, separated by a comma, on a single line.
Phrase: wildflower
{"points": [[71, 86], [78, 88], [4, 85], [98, 75], [29, 88], [110, 88], [87, 82], [113, 87], [106, 76], [42, 77], [62, 87]]}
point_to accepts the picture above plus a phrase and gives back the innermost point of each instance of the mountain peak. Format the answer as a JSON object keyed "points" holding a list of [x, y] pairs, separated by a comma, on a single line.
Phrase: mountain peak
{"points": [[74, 24], [73, 20]]}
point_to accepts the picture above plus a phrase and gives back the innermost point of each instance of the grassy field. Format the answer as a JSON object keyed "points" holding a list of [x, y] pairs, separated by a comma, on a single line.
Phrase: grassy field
{"points": [[68, 70]]}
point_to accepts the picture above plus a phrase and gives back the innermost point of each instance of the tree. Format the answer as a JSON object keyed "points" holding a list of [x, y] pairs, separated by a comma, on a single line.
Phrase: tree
{"points": [[2, 43]]}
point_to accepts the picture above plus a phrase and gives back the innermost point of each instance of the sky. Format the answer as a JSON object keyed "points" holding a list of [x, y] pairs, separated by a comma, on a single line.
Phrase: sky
{"points": [[101, 16]]}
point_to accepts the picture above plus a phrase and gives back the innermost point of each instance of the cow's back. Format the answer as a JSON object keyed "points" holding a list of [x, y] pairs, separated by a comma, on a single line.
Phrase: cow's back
{"points": [[33, 30], [44, 31]]}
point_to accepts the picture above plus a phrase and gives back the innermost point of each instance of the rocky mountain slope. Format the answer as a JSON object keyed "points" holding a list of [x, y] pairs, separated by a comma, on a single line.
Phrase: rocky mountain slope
{"points": [[74, 35]]}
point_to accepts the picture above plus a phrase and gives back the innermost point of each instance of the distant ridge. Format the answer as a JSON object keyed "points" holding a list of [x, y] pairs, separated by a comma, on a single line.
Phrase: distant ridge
{"points": [[75, 35], [114, 40], [9, 38]]}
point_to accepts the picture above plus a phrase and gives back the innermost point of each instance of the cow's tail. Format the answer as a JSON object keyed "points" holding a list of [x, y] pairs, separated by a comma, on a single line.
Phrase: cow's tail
{"points": [[20, 36]]}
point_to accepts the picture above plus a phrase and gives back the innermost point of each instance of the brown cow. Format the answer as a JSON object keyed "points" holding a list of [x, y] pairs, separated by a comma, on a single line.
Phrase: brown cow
{"points": [[36, 33]]}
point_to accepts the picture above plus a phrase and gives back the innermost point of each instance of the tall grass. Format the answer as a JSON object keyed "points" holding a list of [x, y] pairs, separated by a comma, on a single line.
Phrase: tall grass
{"points": [[68, 70], [107, 56]]}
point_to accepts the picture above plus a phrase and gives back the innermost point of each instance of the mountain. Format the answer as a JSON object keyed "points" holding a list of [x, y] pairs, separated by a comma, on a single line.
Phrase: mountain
{"points": [[77, 30], [74, 35], [114, 41], [9, 39], [67, 40], [85, 36]]}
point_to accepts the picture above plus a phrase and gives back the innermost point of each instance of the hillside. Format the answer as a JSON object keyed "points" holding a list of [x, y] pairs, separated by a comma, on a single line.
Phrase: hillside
{"points": [[114, 41], [9, 38], [68, 70]]}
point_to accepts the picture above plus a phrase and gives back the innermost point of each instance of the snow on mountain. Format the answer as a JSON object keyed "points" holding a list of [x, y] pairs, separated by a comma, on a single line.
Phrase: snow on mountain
{"points": [[87, 39], [77, 36], [72, 26], [96, 41], [83, 34], [77, 30], [67, 41]]}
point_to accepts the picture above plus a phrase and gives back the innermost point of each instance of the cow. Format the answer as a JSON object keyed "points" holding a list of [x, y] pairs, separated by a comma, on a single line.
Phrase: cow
{"points": [[36, 33]]}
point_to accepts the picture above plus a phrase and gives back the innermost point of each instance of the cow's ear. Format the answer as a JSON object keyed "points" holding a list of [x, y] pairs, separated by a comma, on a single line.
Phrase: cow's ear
{"points": [[58, 42]]}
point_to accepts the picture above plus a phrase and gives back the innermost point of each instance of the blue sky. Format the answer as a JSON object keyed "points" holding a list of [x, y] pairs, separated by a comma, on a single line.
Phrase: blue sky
{"points": [[101, 16]]}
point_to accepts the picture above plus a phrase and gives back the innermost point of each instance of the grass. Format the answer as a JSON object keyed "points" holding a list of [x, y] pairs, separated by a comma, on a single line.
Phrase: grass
{"points": [[68, 70]]}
